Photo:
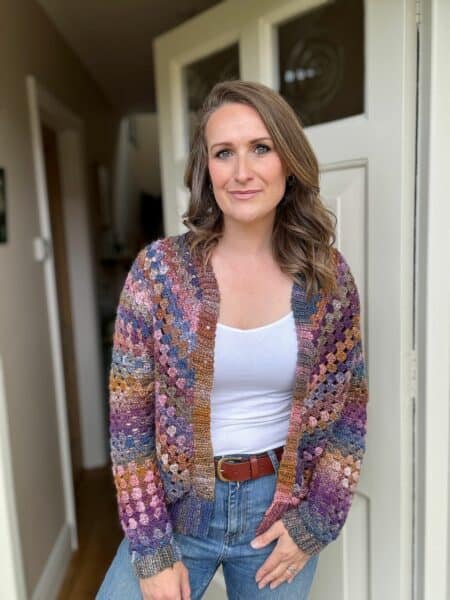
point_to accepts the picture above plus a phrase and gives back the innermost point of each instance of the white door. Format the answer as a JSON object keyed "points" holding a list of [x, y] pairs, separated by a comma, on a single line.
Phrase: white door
{"points": [[350, 66]]}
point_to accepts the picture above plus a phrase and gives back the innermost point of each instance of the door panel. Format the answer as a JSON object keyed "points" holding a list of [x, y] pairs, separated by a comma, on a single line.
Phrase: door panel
{"points": [[344, 191]]}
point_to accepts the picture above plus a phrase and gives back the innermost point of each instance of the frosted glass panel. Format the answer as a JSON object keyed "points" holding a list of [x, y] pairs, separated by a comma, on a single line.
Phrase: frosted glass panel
{"points": [[321, 62], [200, 76]]}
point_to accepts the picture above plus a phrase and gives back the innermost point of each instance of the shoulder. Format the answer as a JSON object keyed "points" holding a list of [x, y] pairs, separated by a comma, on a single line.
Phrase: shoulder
{"points": [[344, 276], [157, 256], [341, 265], [159, 248], [347, 289]]}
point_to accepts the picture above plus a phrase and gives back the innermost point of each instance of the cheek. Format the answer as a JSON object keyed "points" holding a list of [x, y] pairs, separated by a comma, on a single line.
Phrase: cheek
{"points": [[275, 174], [219, 173]]}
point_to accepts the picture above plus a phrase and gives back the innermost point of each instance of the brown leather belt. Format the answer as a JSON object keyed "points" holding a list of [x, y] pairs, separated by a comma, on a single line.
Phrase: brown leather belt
{"points": [[237, 468]]}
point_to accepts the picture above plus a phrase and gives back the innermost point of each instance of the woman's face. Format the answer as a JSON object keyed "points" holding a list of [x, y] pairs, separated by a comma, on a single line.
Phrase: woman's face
{"points": [[246, 172]]}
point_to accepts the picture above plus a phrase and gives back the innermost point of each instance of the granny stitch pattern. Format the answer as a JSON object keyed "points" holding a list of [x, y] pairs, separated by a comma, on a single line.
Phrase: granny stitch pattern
{"points": [[160, 384]]}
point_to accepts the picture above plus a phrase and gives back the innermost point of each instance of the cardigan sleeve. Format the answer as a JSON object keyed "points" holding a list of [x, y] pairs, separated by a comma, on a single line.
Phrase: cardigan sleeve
{"points": [[139, 490], [321, 514]]}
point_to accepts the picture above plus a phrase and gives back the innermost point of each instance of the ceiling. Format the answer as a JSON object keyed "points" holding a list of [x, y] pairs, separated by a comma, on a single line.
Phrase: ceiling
{"points": [[113, 39]]}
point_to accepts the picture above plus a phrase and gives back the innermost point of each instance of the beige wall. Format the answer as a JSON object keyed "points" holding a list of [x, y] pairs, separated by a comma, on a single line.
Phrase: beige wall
{"points": [[29, 44], [137, 170]]}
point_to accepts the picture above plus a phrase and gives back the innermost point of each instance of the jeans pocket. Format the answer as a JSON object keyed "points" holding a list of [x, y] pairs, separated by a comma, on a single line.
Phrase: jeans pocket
{"points": [[259, 494]]}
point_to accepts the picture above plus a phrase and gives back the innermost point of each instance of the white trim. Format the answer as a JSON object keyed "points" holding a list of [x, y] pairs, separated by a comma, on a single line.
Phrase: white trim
{"points": [[44, 107], [35, 97], [55, 569], [431, 551], [12, 575]]}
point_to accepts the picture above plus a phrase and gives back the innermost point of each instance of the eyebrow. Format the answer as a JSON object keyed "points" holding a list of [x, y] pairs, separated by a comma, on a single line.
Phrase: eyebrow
{"points": [[251, 142]]}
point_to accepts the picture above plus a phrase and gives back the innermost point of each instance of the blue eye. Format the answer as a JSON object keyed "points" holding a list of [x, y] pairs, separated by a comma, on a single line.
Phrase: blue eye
{"points": [[218, 154]]}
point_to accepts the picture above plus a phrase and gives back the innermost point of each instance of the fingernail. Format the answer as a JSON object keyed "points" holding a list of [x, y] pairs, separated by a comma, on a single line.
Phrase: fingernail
{"points": [[255, 544]]}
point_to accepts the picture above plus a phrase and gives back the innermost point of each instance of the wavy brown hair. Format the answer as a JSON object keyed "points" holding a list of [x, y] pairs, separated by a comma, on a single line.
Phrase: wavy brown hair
{"points": [[304, 229]]}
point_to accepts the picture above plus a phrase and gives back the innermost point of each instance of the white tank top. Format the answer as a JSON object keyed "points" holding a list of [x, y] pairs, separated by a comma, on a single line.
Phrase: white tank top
{"points": [[254, 377]]}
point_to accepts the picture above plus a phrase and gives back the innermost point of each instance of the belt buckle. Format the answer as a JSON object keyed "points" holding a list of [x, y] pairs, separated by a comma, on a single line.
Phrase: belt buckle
{"points": [[219, 466]]}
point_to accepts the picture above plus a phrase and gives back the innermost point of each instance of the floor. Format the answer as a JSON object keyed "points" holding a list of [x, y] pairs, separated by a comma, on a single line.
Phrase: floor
{"points": [[99, 534]]}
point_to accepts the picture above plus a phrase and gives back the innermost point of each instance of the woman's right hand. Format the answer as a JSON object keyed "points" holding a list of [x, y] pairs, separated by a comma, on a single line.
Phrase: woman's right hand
{"points": [[169, 584]]}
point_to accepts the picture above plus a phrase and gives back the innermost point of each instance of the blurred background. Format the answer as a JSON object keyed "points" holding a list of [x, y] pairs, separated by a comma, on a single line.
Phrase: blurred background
{"points": [[97, 107]]}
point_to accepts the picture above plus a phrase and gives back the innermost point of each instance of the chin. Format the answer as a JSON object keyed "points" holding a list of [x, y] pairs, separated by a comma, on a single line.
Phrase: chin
{"points": [[250, 218]]}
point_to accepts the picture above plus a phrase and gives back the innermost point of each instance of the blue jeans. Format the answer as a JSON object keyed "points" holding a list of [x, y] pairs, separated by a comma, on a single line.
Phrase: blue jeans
{"points": [[238, 510]]}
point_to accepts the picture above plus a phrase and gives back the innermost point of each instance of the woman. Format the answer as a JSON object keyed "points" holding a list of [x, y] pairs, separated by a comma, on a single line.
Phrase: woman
{"points": [[238, 389]]}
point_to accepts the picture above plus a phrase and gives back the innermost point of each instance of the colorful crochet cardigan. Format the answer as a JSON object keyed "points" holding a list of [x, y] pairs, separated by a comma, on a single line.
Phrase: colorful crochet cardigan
{"points": [[160, 383]]}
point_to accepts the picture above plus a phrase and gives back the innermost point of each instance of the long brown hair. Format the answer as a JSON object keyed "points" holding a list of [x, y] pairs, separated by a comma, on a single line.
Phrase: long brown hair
{"points": [[304, 229]]}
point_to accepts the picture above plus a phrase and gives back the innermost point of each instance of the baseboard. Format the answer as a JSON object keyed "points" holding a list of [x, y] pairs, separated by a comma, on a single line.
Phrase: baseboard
{"points": [[55, 569]]}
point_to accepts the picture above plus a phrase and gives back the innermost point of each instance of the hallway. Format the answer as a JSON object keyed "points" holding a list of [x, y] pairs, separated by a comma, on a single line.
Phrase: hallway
{"points": [[99, 535]]}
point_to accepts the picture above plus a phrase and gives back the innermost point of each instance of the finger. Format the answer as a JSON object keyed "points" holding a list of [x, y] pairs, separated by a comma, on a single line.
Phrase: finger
{"points": [[274, 559], [268, 536], [291, 574], [266, 568], [185, 587], [288, 576], [279, 571], [279, 580], [164, 595]]}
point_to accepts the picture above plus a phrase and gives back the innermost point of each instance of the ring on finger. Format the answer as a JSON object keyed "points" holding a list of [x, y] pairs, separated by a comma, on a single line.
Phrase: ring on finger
{"points": [[292, 569]]}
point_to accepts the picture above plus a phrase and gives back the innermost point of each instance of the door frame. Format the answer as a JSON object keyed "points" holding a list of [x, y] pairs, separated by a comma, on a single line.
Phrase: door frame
{"points": [[430, 376], [12, 573], [45, 108]]}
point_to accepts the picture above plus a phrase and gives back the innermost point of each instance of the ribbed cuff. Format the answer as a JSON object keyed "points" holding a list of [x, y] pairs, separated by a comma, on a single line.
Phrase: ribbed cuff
{"points": [[301, 536], [151, 564]]}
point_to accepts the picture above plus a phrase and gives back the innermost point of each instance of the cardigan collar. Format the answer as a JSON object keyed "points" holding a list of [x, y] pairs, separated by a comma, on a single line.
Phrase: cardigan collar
{"points": [[305, 314]]}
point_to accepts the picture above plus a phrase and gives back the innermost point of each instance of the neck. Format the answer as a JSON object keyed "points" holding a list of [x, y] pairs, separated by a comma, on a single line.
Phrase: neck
{"points": [[247, 240]]}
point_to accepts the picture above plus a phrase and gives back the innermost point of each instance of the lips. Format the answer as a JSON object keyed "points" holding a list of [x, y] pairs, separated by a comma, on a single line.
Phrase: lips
{"points": [[244, 194]]}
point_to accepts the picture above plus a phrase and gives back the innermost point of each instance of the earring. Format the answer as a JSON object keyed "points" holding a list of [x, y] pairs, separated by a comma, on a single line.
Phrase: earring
{"points": [[210, 186], [290, 180]]}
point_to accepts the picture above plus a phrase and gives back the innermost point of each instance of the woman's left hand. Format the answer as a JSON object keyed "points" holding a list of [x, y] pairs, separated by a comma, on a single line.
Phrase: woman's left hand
{"points": [[285, 554]]}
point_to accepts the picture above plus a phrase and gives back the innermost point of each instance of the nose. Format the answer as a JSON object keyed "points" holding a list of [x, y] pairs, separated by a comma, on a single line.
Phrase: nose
{"points": [[242, 169]]}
